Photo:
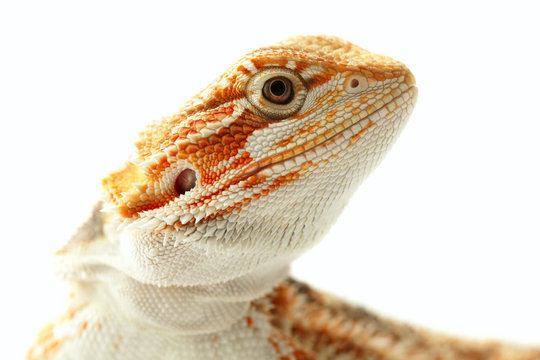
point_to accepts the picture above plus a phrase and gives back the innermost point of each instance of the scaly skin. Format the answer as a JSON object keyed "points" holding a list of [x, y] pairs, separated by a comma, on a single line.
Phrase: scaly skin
{"points": [[187, 255]]}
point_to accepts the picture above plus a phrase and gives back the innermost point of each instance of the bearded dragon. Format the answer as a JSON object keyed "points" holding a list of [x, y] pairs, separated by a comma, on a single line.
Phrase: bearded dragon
{"points": [[187, 255]]}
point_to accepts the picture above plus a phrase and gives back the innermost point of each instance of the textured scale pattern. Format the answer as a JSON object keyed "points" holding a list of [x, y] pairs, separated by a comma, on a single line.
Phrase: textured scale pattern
{"points": [[199, 270]]}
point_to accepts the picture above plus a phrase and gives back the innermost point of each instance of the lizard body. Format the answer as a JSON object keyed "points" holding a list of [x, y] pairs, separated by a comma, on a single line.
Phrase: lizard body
{"points": [[187, 255]]}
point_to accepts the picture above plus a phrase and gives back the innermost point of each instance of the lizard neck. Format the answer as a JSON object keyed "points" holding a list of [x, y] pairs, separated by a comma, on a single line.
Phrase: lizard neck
{"points": [[186, 310]]}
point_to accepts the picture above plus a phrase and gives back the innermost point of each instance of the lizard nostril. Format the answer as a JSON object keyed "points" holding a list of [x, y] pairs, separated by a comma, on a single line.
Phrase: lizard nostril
{"points": [[185, 181], [355, 84]]}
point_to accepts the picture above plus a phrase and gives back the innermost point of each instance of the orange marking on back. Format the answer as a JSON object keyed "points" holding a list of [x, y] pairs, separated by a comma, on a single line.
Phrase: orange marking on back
{"points": [[45, 345], [83, 326], [70, 313]]}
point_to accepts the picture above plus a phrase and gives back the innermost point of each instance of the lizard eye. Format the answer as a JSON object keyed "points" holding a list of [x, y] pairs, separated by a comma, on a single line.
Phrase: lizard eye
{"points": [[185, 181], [278, 90], [277, 93]]}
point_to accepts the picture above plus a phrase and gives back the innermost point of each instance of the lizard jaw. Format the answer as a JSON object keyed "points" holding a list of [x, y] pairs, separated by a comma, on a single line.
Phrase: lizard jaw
{"points": [[345, 133]]}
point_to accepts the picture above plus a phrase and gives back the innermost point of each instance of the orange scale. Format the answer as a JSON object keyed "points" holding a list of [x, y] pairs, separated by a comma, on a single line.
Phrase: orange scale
{"points": [[191, 148], [182, 156], [227, 139], [380, 77], [300, 66], [236, 129], [201, 153], [243, 70], [239, 138], [209, 149], [223, 131], [331, 114], [203, 142], [227, 152], [284, 142], [302, 355], [214, 139], [318, 80], [247, 129]]}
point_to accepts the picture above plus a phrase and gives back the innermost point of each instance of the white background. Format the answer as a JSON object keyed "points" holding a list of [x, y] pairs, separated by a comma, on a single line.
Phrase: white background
{"points": [[444, 234]]}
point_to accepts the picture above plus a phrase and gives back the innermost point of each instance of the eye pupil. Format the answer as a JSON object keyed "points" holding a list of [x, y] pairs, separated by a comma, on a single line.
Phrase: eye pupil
{"points": [[185, 181], [278, 90]]}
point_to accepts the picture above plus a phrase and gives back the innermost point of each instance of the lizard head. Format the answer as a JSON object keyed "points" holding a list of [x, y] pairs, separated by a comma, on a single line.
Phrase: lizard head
{"points": [[255, 168]]}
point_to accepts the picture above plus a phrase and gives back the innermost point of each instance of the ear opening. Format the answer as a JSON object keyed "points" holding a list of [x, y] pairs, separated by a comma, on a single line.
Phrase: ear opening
{"points": [[185, 181]]}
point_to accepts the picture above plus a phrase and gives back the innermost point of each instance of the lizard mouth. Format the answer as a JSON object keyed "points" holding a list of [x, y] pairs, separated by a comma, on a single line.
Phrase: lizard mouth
{"points": [[343, 134]]}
